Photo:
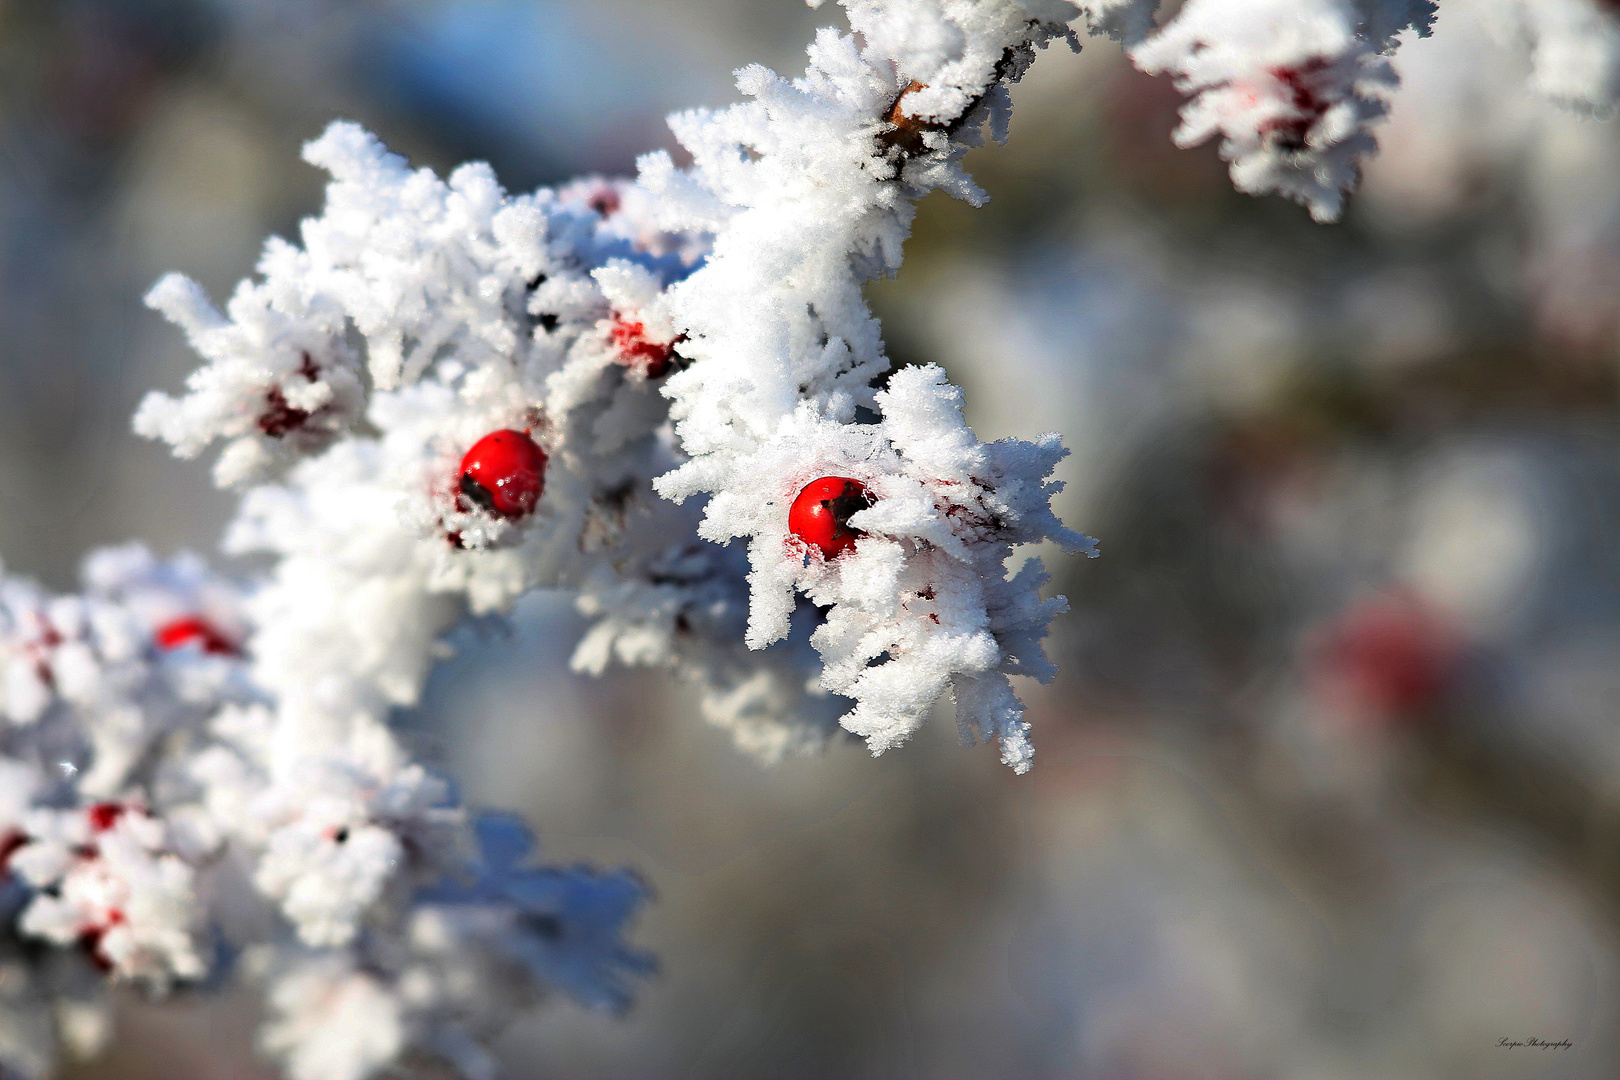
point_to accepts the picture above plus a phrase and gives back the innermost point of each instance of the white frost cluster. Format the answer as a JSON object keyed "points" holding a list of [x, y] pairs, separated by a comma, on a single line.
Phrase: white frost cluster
{"points": [[148, 835], [113, 878], [1574, 49], [1291, 87], [466, 957], [95, 679]]}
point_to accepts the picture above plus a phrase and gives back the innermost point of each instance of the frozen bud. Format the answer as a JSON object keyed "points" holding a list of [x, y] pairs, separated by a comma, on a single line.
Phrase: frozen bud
{"points": [[1291, 87]]}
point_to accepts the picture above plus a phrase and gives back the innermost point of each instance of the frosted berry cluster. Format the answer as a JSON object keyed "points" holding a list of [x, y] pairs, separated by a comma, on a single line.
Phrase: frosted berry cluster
{"points": [[1290, 86], [150, 832], [504, 433], [1294, 89], [488, 394]]}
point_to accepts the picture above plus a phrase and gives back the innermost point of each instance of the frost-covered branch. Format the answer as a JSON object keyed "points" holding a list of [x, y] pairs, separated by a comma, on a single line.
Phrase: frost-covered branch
{"points": [[1294, 89], [1291, 87], [696, 332], [151, 835]]}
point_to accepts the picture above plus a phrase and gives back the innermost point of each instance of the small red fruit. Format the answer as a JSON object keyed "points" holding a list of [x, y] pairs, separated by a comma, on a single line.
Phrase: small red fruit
{"points": [[636, 350], [820, 515], [10, 841], [192, 630], [91, 936], [1392, 656], [104, 815], [504, 474]]}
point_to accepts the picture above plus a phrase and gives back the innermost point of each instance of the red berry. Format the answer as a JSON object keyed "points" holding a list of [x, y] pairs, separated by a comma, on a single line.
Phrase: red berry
{"points": [[636, 351], [1392, 655], [1303, 84], [193, 630], [90, 940], [10, 841], [820, 515], [104, 815], [504, 474]]}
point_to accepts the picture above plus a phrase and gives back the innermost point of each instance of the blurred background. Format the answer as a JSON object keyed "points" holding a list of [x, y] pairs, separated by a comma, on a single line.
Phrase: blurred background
{"points": [[1330, 784]]}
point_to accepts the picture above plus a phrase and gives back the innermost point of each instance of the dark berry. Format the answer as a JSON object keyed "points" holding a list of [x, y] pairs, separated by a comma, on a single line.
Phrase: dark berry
{"points": [[192, 630], [820, 515], [1303, 82], [10, 842], [278, 417], [90, 941], [504, 474]]}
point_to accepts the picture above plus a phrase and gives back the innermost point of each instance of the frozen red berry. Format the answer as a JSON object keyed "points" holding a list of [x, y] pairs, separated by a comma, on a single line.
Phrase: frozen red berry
{"points": [[636, 350], [504, 474], [193, 630], [104, 815], [1302, 84], [820, 515], [10, 842]]}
